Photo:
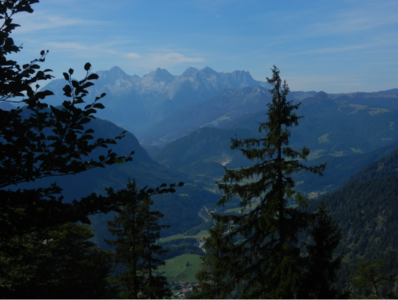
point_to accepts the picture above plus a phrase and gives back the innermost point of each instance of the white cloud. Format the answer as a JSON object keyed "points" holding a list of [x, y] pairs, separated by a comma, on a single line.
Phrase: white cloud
{"points": [[44, 21], [174, 58], [133, 55], [69, 46]]}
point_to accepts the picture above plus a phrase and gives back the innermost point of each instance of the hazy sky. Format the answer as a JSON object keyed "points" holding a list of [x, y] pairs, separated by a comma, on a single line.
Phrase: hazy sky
{"points": [[333, 46]]}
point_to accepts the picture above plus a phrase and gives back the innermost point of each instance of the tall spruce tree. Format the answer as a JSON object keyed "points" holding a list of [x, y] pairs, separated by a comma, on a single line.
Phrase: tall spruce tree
{"points": [[264, 253], [137, 253], [321, 263]]}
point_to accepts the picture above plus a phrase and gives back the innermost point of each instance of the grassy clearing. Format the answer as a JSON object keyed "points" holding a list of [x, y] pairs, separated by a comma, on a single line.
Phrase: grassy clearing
{"points": [[253, 205], [176, 269], [202, 234], [232, 210], [171, 238]]}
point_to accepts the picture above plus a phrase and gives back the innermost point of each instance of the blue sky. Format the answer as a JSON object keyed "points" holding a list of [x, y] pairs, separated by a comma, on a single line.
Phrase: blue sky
{"points": [[333, 46]]}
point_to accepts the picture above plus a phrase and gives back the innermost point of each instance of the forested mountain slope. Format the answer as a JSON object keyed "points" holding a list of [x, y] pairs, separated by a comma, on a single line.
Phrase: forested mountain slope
{"points": [[338, 170], [366, 210], [180, 209]]}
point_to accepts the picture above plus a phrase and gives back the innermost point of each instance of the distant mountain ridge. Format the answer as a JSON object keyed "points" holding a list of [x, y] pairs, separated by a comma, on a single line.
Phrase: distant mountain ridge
{"points": [[225, 107], [329, 128], [138, 103], [160, 107]]}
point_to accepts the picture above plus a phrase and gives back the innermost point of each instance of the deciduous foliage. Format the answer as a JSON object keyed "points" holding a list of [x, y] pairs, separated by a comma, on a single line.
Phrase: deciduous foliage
{"points": [[265, 254], [137, 253], [43, 141], [58, 262]]}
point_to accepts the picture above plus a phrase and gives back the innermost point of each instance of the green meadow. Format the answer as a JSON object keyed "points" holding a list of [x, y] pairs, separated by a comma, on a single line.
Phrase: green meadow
{"points": [[182, 267]]}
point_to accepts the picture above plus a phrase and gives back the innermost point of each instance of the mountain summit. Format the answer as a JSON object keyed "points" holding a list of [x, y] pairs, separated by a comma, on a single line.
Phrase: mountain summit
{"points": [[137, 103], [159, 75]]}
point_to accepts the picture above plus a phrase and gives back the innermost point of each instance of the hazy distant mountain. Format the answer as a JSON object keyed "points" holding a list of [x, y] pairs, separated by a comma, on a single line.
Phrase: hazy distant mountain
{"points": [[387, 99], [160, 107], [228, 107], [328, 128], [225, 107], [138, 103]]}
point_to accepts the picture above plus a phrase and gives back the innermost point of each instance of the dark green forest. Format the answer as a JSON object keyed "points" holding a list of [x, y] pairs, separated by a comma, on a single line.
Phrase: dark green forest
{"points": [[275, 205]]}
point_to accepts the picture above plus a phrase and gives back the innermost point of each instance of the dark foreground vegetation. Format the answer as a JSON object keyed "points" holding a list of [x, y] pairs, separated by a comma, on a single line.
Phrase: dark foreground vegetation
{"points": [[284, 246]]}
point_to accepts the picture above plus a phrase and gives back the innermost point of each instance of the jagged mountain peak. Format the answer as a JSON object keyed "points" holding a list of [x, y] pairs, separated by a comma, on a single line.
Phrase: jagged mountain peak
{"points": [[190, 72], [160, 75], [208, 71], [114, 74]]}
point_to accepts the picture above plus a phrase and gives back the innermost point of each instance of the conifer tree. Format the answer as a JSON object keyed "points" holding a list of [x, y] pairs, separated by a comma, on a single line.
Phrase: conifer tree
{"points": [[321, 265], [53, 263], [136, 250], [215, 268], [264, 253]]}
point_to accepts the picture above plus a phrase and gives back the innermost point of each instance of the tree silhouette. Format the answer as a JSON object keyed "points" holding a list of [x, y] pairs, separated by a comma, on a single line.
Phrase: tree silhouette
{"points": [[39, 140], [136, 250], [57, 262], [321, 264], [264, 251]]}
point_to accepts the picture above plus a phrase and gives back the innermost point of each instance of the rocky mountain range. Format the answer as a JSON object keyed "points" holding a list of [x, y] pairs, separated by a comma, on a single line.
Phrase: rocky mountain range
{"points": [[137, 104], [160, 107]]}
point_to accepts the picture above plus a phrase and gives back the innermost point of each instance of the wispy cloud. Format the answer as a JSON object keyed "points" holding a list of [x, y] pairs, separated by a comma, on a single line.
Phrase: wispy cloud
{"points": [[73, 46], [339, 49], [133, 55], [45, 21], [174, 58], [153, 59], [368, 16]]}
